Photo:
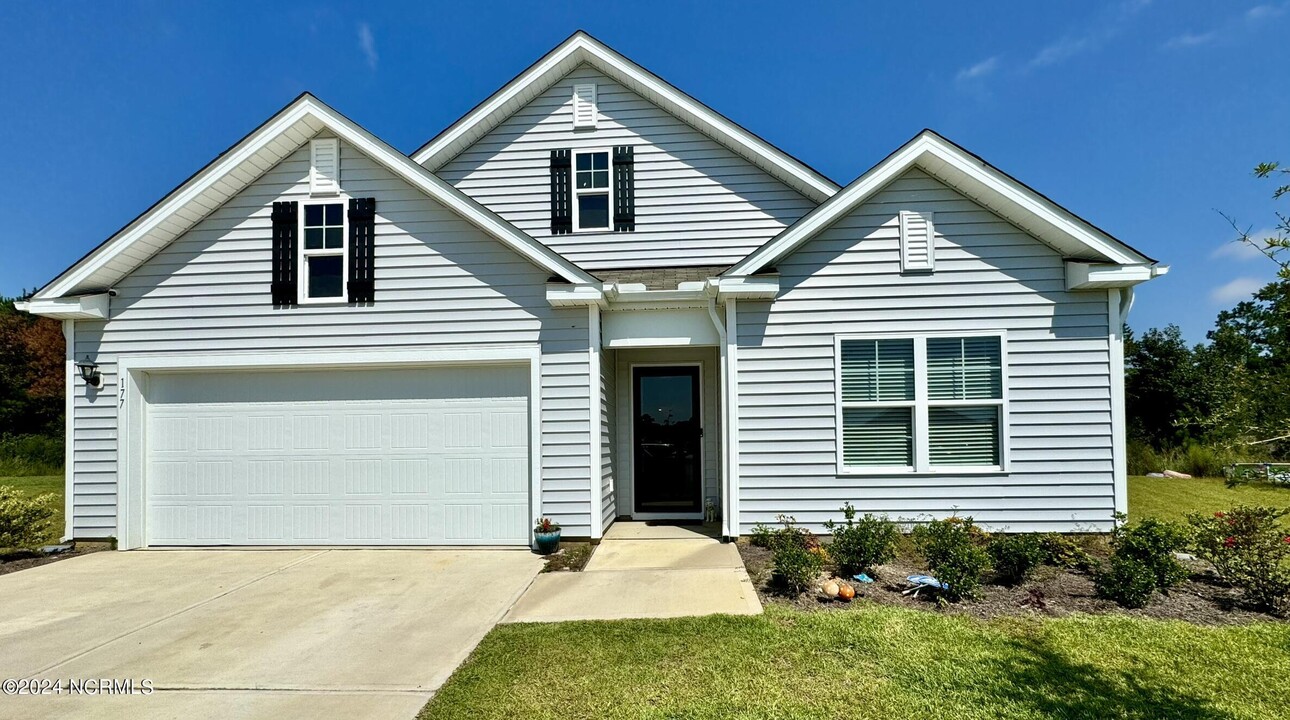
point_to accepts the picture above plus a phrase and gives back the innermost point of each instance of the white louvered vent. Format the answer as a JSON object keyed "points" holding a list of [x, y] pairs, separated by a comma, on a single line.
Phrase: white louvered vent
{"points": [[584, 105], [324, 166], [917, 242]]}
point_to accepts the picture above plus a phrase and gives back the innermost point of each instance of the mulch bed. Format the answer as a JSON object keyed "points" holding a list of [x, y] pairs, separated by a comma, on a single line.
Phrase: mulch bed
{"points": [[1051, 592], [16, 560]]}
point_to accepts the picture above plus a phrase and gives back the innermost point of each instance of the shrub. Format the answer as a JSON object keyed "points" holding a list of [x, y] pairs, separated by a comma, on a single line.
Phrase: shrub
{"points": [[1250, 550], [1015, 556], [1061, 551], [953, 553], [24, 521], [1126, 580], [1153, 542], [861, 545], [762, 535], [27, 455], [798, 557]]}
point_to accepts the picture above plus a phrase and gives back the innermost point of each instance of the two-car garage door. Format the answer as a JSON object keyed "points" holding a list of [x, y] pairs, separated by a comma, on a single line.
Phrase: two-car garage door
{"points": [[420, 456]]}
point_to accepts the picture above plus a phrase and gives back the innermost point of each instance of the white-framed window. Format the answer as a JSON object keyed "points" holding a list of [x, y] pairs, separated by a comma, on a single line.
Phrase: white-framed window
{"points": [[323, 258], [929, 403], [592, 192]]}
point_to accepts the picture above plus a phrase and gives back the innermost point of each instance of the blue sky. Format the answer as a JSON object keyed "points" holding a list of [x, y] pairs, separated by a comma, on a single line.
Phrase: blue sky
{"points": [[1144, 117]]}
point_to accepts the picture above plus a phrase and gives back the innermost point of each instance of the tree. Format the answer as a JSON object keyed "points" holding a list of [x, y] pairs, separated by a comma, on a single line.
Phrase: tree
{"points": [[31, 373], [1276, 244], [1161, 386]]}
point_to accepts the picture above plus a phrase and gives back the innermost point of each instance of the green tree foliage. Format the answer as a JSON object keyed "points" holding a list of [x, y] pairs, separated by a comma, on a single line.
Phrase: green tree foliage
{"points": [[31, 373]]}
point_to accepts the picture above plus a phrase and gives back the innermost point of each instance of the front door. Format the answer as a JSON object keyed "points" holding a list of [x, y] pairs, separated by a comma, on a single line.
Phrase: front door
{"points": [[667, 436]]}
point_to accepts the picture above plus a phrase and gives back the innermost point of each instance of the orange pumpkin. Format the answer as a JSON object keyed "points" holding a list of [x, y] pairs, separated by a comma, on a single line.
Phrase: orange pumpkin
{"points": [[845, 591]]}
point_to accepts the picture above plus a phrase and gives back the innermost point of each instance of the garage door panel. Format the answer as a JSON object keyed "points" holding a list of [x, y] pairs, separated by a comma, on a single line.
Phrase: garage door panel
{"points": [[427, 467]]}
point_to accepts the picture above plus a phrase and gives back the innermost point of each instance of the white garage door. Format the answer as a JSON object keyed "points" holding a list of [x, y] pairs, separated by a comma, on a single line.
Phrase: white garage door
{"points": [[338, 457]]}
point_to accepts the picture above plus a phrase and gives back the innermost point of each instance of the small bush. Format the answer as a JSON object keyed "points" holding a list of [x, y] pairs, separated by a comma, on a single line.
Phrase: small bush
{"points": [[952, 548], [1250, 550], [1015, 556], [798, 557], [1126, 580], [1153, 543], [27, 455], [861, 545], [24, 521], [1194, 459], [1061, 551], [762, 535]]}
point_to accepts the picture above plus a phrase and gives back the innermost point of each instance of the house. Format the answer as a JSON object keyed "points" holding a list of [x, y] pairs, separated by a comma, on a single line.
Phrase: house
{"points": [[590, 298]]}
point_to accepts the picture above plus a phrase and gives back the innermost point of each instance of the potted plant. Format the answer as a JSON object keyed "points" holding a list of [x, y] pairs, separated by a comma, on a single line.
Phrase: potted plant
{"points": [[547, 535]]}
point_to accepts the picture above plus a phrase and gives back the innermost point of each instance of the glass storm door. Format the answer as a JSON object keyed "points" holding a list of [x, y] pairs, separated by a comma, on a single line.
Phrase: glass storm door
{"points": [[667, 433]]}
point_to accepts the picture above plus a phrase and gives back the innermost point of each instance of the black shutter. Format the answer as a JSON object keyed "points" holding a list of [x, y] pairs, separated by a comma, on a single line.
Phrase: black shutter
{"points": [[285, 239], [561, 193], [624, 189], [362, 246]]}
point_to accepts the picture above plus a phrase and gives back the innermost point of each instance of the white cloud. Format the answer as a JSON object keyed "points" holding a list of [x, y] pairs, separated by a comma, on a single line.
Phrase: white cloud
{"points": [[1242, 288], [979, 70], [1233, 27], [1105, 28], [367, 43], [1242, 251]]}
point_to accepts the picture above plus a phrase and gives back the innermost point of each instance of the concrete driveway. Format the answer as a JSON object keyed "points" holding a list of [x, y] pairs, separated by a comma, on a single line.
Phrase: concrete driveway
{"points": [[253, 633]]}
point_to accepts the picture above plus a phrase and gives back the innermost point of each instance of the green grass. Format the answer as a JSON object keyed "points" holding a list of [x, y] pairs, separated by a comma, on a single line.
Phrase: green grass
{"points": [[1170, 499], [39, 485], [873, 662]]}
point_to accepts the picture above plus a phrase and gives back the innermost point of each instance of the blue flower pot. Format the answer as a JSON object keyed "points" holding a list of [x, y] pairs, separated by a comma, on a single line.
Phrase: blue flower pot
{"points": [[547, 543]]}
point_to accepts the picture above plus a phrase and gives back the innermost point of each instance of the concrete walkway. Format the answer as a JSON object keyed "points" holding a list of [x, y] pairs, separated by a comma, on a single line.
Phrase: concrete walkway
{"points": [[253, 633], [644, 571]]}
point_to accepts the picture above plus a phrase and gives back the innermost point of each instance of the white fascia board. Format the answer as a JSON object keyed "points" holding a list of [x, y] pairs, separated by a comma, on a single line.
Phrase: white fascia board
{"points": [[928, 146], [365, 142], [582, 48], [574, 295], [83, 307], [1101, 276]]}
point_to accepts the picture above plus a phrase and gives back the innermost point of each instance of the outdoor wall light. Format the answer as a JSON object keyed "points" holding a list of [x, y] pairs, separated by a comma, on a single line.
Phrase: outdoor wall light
{"points": [[90, 372]]}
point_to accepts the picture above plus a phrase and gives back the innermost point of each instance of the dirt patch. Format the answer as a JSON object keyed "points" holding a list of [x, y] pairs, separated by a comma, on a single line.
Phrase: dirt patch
{"points": [[1051, 591], [571, 557], [16, 560]]}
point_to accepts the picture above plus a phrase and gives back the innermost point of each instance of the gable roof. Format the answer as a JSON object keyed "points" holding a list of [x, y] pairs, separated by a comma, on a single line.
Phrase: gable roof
{"points": [[972, 176], [234, 169], [582, 48]]}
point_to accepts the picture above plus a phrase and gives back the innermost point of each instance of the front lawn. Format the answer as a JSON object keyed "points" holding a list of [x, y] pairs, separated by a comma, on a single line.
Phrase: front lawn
{"points": [[39, 485], [1172, 499], [873, 662]]}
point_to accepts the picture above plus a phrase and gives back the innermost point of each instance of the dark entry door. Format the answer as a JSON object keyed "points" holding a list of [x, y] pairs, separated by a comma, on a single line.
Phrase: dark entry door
{"points": [[667, 433]]}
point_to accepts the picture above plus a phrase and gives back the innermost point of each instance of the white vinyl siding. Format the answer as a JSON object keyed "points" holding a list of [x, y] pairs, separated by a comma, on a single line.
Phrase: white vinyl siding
{"points": [[440, 282], [990, 278], [697, 203]]}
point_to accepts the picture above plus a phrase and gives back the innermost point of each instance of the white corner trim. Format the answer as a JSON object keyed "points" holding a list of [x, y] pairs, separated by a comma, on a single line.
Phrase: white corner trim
{"points": [[732, 413], [595, 400], [362, 140], [930, 152], [70, 374], [82, 307], [1117, 312], [583, 48]]}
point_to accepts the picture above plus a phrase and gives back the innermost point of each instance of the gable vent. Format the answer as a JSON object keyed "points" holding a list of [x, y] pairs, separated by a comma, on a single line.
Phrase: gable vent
{"points": [[584, 105], [324, 167], [917, 242]]}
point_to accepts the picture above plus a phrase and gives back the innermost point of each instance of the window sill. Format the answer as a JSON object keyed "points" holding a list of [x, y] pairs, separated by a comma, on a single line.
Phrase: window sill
{"points": [[323, 301], [939, 472]]}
